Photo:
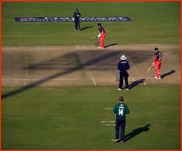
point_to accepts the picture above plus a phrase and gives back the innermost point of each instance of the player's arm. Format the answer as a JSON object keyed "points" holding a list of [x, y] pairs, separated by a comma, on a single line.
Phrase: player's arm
{"points": [[114, 110], [127, 110], [119, 66], [102, 32], [128, 66], [74, 14], [80, 14], [99, 34], [155, 59]]}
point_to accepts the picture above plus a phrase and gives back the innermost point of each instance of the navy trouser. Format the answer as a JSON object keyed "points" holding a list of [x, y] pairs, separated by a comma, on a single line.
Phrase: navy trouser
{"points": [[120, 122], [125, 75], [77, 24]]}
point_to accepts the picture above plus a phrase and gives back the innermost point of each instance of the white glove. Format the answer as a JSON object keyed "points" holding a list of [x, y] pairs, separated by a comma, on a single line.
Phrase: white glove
{"points": [[99, 35], [73, 19], [78, 15], [153, 64]]}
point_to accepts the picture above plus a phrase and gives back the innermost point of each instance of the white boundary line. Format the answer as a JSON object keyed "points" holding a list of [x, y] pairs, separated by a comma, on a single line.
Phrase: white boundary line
{"points": [[109, 124], [108, 108], [107, 121]]}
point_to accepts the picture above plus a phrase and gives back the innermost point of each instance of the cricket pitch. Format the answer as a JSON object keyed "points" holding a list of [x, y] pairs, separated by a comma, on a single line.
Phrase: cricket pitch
{"points": [[85, 65]]}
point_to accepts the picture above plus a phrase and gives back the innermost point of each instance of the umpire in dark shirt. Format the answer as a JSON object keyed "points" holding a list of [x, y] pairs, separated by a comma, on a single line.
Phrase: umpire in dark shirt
{"points": [[123, 66], [76, 16]]}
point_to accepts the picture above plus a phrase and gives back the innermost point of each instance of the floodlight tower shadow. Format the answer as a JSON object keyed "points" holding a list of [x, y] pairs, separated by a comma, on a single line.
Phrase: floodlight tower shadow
{"points": [[88, 63]]}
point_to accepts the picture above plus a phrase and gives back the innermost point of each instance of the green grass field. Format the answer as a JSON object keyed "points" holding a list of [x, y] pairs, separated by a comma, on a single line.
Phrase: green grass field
{"points": [[70, 118], [152, 22]]}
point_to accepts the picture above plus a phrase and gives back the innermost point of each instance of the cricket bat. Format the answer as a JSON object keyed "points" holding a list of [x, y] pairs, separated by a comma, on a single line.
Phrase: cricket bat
{"points": [[149, 69], [94, 37]]}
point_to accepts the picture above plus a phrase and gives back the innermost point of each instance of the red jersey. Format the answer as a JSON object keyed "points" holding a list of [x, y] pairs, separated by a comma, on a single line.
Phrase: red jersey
{"points": [[158, 56], [101, 30]]}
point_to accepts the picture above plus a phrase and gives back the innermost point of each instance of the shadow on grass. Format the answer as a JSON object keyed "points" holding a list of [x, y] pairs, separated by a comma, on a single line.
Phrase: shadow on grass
{"points": [[169, 73], [86, 27], [136, 132], [135, 83]]}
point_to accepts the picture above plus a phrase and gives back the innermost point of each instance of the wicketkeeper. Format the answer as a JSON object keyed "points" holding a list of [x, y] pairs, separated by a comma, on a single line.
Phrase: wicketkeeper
{"points": [[101, 35], [157, 63], [76, 18]]}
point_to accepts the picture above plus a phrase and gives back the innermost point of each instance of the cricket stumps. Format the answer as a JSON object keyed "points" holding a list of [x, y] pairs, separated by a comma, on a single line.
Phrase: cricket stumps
{"points": [[117, 74]]}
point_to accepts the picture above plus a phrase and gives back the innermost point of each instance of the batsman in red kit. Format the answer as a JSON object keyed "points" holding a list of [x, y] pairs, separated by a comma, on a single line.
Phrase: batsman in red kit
{"points": [[102, 35], [157, 63]]}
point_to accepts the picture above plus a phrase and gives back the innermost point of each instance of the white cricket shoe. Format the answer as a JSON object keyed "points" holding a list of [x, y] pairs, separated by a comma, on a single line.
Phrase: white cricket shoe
{"points": [[127, 89], [116, 140], [119, 89]]}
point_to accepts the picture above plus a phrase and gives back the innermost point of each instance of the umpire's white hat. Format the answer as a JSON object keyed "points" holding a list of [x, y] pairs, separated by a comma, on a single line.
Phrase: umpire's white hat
{"points": [[123, 57]]}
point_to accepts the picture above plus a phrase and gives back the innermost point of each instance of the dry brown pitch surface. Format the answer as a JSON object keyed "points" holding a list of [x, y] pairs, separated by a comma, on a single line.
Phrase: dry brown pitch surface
{"points": [[85, 65]]}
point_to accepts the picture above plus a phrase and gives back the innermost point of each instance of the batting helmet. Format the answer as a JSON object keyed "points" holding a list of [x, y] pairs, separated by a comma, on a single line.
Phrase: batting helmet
{"points": [[99, 24], [156, 49]]}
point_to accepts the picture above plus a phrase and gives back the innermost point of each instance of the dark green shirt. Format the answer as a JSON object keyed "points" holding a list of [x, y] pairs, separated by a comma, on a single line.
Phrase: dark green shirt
{"points": [[121, 109], [76, 15]]}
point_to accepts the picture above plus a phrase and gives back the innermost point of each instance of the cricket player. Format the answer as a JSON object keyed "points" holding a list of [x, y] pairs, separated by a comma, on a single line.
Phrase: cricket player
{"points": [[157, 63], [120, 110], [123, 66], [101, 36], [76, 16]]}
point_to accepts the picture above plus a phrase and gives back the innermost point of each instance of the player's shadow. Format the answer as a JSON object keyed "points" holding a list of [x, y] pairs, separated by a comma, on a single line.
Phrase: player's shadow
{"points": [[110, 45], [136, 132], [86, 27], [135, 83], [169, 73]]}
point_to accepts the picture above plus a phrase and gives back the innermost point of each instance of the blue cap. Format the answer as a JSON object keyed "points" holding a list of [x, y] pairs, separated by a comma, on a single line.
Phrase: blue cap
{"points": [[99, 24], [156, 48]]}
